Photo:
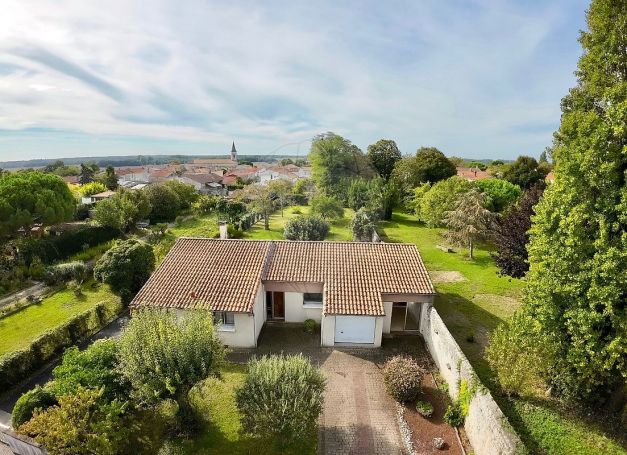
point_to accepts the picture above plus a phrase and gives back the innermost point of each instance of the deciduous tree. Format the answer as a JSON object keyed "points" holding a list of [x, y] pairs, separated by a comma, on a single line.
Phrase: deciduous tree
{"points": [[383, 155], [524, 172]]}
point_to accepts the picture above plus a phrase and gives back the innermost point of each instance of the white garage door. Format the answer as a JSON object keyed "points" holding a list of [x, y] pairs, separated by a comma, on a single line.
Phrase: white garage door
{"points": [[354, 329]]}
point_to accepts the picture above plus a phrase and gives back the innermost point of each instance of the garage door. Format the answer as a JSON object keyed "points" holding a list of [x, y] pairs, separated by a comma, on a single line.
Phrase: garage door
{"points": [[354, 329]]}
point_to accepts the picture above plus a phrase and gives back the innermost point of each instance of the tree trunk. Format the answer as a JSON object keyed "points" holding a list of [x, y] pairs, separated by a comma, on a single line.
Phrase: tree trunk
{"points": [[471, 250], [266, 221]]}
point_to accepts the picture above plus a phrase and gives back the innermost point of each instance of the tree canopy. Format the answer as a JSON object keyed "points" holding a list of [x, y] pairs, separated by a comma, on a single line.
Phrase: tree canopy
{"points": [[383, 155], [469, 221], [500, 194], [335, 161], [441, 198], [577, 282], [164, 202], [524, 172], [126, 267], [31, 196]]}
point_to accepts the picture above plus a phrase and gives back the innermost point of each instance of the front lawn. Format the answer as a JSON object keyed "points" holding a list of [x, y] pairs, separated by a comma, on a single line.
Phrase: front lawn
{"points": [[214, 399], [17, 330], [340, 229], [204, 226]]}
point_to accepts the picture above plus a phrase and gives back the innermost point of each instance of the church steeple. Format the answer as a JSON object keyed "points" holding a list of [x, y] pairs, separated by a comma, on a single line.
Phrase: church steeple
{"points": [[233, 152]]}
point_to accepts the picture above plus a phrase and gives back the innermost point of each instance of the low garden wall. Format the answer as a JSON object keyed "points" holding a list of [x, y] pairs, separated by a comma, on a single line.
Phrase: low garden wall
{"points": [[17, 365], [487, 427]]}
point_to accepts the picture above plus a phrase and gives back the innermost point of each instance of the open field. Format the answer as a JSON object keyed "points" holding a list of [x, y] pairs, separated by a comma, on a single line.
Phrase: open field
{"points": [[19, 329], [214, 399]]}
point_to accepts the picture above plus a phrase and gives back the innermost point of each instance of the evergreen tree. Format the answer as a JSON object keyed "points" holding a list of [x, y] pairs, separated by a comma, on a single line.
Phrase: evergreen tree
{"points": [[111, 180], [86, 175], [577, 282], [470, 221]]}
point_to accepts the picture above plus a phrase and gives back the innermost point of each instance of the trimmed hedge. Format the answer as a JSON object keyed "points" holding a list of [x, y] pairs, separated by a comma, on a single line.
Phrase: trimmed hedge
{"points": [[17, 365]]}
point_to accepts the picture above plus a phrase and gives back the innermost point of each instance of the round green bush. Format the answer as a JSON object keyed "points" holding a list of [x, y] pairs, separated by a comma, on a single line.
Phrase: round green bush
{"points": [[454, 416], [402, 376], [37, 398], [281, 398], [310, 325], [424, 408], [306, 227]]}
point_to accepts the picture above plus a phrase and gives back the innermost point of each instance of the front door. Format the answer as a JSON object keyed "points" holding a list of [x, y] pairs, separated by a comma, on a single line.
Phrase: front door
{"points": [[278, 305]]}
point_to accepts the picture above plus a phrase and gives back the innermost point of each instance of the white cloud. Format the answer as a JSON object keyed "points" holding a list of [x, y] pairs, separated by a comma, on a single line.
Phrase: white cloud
{"points": [[463, 78]]}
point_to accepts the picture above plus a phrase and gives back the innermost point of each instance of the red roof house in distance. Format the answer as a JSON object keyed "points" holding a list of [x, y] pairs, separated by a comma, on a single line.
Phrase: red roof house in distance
{"points": [[472, 173]]}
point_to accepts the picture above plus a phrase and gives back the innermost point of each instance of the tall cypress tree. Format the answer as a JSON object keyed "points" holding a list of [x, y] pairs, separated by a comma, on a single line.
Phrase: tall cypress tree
{"points": [[577, 283]]}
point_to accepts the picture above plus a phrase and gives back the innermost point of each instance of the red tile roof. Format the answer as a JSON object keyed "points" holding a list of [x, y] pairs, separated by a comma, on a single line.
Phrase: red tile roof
{"points": [[472, 173], [225, 274]]}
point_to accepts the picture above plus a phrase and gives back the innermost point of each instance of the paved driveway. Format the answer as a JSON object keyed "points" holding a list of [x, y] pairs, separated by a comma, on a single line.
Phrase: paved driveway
{"points": [[358, 417]]}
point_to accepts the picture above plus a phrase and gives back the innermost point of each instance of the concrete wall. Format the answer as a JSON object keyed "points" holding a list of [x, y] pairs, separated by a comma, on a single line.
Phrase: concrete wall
{"points": [[387, 320], [487, 428], [296, 312]]}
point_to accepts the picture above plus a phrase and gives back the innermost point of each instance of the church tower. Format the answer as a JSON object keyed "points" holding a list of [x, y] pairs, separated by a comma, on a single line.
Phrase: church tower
{"points": [[233, 152]]}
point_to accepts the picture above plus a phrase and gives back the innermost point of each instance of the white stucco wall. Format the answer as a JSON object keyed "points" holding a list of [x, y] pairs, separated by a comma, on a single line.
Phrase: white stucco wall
{"points": [[259, 311], [296, 312], [242, 335], [328, 330], [486, 425]]}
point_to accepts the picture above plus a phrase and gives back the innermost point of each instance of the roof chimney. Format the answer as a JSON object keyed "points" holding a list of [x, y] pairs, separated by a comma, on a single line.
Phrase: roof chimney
{"points": [[224, 232]]}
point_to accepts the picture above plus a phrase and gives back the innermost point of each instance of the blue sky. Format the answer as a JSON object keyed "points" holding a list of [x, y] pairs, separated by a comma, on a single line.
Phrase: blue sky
{"points": [[475, 78]]}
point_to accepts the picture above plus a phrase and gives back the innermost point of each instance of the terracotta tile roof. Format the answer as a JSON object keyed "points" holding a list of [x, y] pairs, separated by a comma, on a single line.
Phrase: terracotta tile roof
{"points": [[207, 273], [214, 161], [203, 178], [224, 274], [473, 173], [354, 274]]}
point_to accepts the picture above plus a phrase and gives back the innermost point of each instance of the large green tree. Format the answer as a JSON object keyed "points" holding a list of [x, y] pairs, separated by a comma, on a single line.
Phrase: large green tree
{"points": [[577, 283], [31, 196], [433, 165], [335, 162], [524, 172], [126, 267], [383, 155]]}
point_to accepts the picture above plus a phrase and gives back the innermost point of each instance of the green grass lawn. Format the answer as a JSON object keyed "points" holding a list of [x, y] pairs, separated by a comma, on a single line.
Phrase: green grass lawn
{"points": [[214, 399], [475, 306], [19, 329], [204, 226], [340, 229]]}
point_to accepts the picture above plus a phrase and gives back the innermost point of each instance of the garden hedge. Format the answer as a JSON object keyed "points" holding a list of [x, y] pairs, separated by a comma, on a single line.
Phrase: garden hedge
{"points": [[17, 365]]}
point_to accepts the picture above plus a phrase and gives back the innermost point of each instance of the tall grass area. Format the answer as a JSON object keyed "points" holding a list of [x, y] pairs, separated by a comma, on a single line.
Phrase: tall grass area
{"points": [[17, 330], [471, 309], [339, 229]]}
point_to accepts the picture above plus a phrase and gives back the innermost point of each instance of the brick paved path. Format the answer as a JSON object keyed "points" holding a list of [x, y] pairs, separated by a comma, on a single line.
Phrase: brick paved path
{"points": [[358, 417]]}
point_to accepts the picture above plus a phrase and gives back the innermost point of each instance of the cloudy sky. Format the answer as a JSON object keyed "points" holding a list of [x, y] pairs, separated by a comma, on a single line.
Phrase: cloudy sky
{"points": [[475, 78]]}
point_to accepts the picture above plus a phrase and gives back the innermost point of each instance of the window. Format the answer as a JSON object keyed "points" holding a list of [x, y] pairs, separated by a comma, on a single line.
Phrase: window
{"points": [[224, 318], [312, 299]]}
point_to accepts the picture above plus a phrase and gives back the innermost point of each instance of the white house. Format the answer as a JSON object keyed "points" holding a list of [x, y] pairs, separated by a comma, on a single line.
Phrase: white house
{"points": [[356, 291]]}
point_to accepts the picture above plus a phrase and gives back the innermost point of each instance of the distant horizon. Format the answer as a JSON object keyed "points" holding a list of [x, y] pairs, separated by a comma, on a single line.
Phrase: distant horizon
{"points": [[470, 78]]}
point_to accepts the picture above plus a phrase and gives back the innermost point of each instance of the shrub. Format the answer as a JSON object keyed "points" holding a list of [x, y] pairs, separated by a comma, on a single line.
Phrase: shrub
{"points": [[306, 227], [297, 211], [363, 226], [164, 202], [126, 267], [16, 365], [310, 325], [327, 207], [81, 423], [454, 416], [424, 408], [402, 376], [37, 398], [281, 398], [62, 273], [93, 368]]}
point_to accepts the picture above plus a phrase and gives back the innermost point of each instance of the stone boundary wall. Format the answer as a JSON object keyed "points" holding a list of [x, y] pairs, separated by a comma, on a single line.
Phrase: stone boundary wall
{"points": [[487, 427]]}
